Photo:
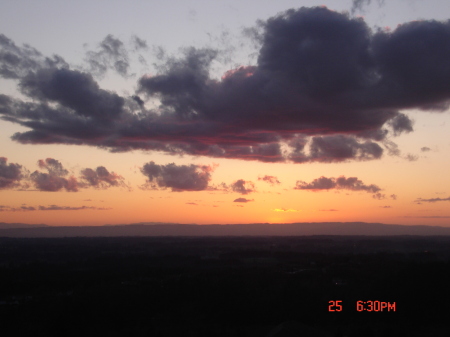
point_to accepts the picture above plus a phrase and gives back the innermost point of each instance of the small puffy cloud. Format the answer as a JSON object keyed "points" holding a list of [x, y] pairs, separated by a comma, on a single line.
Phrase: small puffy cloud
{"points": [[10, 174], [379, 196], [192, 203], [270, 180], [243, 187], [100, 177], [425, 149], [324, 183], [328, 210], [242, 200], [54, 180], [385, 207], [178, 178], [138, 43], [411, 157], [393, 196]]}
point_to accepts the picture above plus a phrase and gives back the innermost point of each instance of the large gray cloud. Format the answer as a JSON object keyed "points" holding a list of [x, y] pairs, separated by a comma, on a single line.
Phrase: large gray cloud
{"points": [[178, 178], [325, 88]]}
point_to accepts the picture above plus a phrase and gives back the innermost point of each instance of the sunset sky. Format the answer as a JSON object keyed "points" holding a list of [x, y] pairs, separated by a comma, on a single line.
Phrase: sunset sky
{"points": [[214, 112]]}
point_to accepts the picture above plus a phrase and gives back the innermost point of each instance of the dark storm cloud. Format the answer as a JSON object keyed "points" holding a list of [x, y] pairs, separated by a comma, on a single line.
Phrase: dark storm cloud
{"points": [[179, 178], [270, 179], [420, 200], [242, 200], [101, 177], [74, 90], [243, 187], [55, 178], [341, 183], [325, 88], [341, 148], [10, 174]]}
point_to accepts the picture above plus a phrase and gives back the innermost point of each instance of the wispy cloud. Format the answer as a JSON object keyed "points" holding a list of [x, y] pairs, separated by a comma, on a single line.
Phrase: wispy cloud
{"points": [[420, 200], [285, 210]]}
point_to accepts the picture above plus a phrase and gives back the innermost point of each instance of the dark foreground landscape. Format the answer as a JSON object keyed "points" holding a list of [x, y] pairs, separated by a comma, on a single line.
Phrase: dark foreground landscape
{"points": [[225, 286]]}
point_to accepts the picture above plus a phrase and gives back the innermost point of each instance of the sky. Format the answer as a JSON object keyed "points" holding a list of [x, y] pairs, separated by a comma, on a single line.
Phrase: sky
{"points": [[224, 112]]}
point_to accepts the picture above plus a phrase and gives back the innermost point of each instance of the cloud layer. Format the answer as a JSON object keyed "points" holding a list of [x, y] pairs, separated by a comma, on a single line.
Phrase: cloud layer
{"points": [[50, 208], [325, 88]]}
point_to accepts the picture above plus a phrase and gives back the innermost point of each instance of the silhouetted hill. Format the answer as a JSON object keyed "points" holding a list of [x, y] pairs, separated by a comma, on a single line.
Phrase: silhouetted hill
{"points": [[4, 225], [265, 229]]}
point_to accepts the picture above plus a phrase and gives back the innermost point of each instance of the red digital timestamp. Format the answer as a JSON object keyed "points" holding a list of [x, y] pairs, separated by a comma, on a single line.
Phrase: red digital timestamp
{"points": [[370, 306]]}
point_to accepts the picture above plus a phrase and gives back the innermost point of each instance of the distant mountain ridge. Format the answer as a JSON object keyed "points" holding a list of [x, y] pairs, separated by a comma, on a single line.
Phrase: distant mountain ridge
{"points": [[4, 225], [261, 229]]}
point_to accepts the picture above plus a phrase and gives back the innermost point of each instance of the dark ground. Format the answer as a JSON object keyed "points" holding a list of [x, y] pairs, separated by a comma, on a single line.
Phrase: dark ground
{"points": [[233, 286]]}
